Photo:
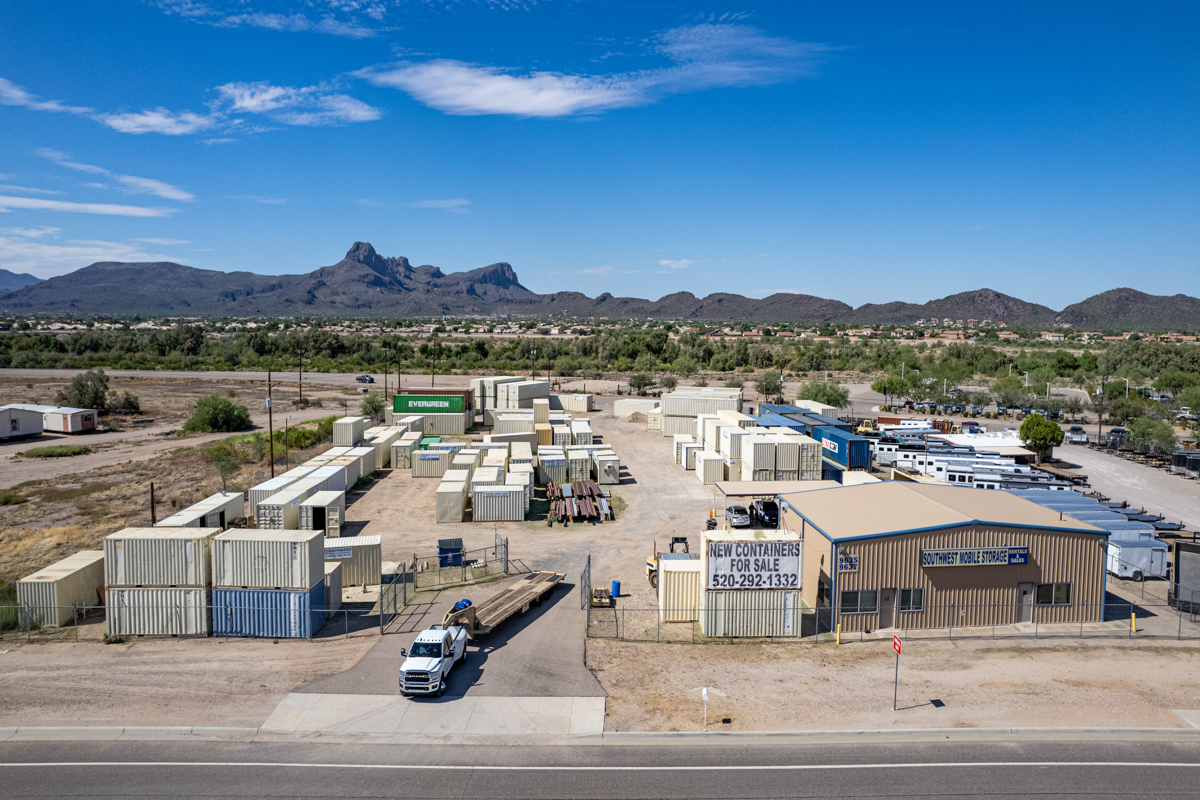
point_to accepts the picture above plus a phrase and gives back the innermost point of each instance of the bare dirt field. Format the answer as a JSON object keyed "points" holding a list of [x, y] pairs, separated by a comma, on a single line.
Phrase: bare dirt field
{"points": [[163, 682], [762, 687]]}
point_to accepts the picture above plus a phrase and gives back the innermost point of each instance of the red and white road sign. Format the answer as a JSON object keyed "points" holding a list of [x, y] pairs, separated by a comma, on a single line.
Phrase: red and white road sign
{"points": [[896, 644]]}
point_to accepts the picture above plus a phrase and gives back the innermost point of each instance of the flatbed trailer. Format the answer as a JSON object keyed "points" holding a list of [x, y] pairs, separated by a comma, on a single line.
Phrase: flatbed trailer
{"points": [[478, 620]]}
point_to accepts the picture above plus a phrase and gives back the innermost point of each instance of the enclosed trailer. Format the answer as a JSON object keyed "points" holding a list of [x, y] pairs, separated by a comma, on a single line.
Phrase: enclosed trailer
{"points": [[1138, 559]]}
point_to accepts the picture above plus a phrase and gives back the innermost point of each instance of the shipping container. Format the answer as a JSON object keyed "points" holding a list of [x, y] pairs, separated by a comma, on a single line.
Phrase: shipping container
{"points": [[49, 596], [520, 453], [709, 467], [514, 423], [544, 433], [552, 466], [671, 425], [325, 512], [415, 423], [429, 403], [382, 442], [735, 418], [654, 420], [366, 457], [787, 454], [431, 463], [847, 449], [679, 440], [562, 435], [348, 431], [361, 559], [687, 455], [733, 469], [157, 611], [487, 476], [576, 403], [463, 463], [451, 501], [249, 559], [332, 476], [466, 398], [608, 469], [731, 442], [581, 431], [264, 490], [759, 452], [628, 407], [218, 511], [520, 479], [158, 557], [707, 400], [447, 424], [579, 465], [268, 613], [402, 451], [333, 586], [678, 585], [353, 467], [281, 511], [498, 503], [751, 613], [541, 409], [521, 394]]}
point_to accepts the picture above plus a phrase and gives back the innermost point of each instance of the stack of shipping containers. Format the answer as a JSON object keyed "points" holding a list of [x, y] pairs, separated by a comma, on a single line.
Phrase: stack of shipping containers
{"points": [[269, 583], [733, 564], [159, 581], [681, 407]]}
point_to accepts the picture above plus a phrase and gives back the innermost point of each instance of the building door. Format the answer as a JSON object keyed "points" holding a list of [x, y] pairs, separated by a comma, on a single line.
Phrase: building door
{"points": [[887, 608], [1025, 604]]}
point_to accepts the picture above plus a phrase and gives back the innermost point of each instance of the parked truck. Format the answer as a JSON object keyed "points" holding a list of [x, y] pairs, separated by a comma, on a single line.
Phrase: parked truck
{"points": [[437, 649]]}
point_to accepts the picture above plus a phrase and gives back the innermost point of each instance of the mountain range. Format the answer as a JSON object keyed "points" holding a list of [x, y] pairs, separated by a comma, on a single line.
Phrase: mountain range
{"points": [[366, 284], [10, 281]]}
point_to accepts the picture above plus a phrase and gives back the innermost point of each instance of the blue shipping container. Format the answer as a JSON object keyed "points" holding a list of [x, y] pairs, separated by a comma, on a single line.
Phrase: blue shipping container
{"points": [[848, 449], [269, 613], [776, 408], [831, 471], [777, 421], [830, 421]]}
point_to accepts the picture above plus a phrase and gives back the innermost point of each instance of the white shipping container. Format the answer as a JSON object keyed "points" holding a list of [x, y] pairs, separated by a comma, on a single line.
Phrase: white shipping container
{"points": [[431, 463], [629, 407], [158, 612], [366, 458], [759, 450], [680, 404], [581, 431], [348, 431], [218, 511], [733, 469], [678, 586], [360, 557], [688, 455], [787, 454], [486, 476], [333, 585], [671, 425], [736, 418], [264, 490], [520, 479], [654, 420], [158, 557], [498, 503], [447, 424], [731, 442], [709, 467], [608, 470], [246, 559], [463, 463], [281, 511], [514, 423], [333, 477], [325, 512], [451, 502], [702, 431], [414, 423], [579, 466], [49, 596], [541, 409], [353, 467], [680, 439], [757, 613]]}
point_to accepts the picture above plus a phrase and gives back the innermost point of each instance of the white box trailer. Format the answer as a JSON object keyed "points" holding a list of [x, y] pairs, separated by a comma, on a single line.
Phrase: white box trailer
{"points": [[50, 596], [1141, 559], [324, 511], [19, 423]]}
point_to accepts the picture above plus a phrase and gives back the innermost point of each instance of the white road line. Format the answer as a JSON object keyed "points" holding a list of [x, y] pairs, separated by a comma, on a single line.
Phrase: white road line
{"points": [[681, 768]]}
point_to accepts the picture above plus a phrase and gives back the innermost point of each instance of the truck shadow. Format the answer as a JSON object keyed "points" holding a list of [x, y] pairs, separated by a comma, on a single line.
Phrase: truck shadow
{"points": [[471, 673]]}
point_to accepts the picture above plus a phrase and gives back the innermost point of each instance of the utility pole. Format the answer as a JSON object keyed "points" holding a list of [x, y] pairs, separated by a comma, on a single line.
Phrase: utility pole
{"points": [[153, 518], [270, 423], [1100, 421]]}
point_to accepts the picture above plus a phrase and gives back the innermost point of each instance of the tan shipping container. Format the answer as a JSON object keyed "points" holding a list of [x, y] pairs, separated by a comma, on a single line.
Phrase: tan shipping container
{"points": [[360, 557], [158, 612], [757, 613], [137, 557], [325, 512], [498, 503], [49, 596], [679, 587], [451, 501], [248, 559], [333, 585]]}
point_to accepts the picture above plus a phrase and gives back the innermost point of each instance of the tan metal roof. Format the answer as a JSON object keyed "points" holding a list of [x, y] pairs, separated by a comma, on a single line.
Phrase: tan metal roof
{"points": [[895, 507], [769, 488]]}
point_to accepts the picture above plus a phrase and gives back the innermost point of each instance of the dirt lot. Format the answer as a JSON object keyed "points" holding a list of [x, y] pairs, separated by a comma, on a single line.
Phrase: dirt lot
{"points": [[163, 682], [805, 687]]}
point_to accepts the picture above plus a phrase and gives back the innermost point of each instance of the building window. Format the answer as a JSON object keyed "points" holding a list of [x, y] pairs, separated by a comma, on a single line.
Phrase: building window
{"points": [[1054, 594], [863, 602], [912, 599]]}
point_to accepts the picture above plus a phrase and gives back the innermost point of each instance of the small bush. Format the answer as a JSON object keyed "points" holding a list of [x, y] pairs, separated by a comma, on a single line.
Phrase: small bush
{"points": [[372, 405], [124, 403], [114, 638], [11, 497], [8, 612], [364, 482], [57, 451], [217, 413]]}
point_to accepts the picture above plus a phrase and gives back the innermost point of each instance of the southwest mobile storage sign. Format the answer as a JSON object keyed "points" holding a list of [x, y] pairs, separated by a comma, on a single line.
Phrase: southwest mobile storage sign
{"points": [[753, 565], [975, 557]]}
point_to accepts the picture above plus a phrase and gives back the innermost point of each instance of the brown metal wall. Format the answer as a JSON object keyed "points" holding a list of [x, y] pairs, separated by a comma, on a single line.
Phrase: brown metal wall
{"points": [[815, 566], [975, 596]]}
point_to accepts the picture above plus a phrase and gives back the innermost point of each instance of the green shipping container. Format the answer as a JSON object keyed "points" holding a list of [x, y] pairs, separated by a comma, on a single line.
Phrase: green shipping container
{"points": [[428, 440], [428, 404]]}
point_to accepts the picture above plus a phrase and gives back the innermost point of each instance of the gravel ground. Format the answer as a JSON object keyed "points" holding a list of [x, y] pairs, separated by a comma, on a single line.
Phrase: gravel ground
{"points": [[1173, 496]]}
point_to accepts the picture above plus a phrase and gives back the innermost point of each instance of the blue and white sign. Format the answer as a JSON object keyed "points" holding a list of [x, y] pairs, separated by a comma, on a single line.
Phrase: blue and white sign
{"points": [[975, 557], [847, 563]]}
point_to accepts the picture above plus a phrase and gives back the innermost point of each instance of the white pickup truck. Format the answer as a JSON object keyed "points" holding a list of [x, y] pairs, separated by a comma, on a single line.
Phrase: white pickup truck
{"points": [[434, 653]]}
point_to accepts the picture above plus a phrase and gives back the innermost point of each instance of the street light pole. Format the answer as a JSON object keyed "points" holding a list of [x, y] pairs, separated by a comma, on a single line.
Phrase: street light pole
{"points": [[1026, 374], [286, 457], [1126, 387], [270, 424]]}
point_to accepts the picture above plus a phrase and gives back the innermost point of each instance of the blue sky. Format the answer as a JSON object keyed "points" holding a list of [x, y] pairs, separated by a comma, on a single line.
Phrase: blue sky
{"points": [[861, 151]]}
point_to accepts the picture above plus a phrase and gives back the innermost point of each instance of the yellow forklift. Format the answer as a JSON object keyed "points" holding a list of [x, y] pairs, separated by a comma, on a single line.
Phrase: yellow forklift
{"points": [[652, 562]]}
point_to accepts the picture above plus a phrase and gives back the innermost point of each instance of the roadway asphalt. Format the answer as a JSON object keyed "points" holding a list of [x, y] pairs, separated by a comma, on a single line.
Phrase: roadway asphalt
{"points": [[1009, 769]]}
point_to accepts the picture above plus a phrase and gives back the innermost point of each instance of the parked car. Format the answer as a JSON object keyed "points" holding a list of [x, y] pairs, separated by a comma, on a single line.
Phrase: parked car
{"points": [[1116, 436], [1054, 416], [974, 409], [959, 408], [433, 655], [737, 517], [1076, 435], [1041, 412], [1001, 411], [907, 404], [365, 379], [765, 513]]}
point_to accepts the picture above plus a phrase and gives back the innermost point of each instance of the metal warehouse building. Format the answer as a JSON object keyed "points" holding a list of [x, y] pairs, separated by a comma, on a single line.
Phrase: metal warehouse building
{"points": [[910, 555]]}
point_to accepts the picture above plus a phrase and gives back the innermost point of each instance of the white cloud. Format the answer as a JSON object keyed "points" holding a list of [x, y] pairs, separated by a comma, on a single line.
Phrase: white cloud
{"points": [[38, 204], [11, 188], [164, 242], [160, 120], [680, 263], [456, 205], [45, 260], [703, 57], [354, 19], [13, 95], [296, 23], [308, 105], [31, 233], [132, 184]]}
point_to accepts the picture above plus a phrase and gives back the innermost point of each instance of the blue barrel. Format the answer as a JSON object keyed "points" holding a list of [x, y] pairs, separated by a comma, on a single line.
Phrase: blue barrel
{"points": [[616, 588]]}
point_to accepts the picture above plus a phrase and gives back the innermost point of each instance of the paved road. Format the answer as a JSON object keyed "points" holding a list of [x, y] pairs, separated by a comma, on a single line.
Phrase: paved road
{"points": [[328, 378], [1006, 769]]}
